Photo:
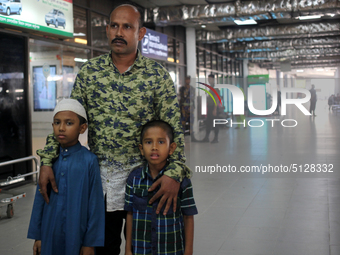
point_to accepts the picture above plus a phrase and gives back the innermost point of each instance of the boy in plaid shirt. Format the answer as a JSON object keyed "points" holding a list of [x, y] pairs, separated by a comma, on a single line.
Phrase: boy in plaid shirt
{"points": [[146, 231]]}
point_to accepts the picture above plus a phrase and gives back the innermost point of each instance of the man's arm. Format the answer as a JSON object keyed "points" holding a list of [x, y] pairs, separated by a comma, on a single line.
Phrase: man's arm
{"points": [[46, 174], [167, 109]]}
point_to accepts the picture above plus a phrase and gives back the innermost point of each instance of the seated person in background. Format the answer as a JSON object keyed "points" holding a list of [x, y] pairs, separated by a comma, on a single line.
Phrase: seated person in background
{"points": [[146, 231], [73, 222]]}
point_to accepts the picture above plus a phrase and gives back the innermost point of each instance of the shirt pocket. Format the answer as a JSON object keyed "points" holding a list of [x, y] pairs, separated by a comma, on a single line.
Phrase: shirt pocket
{"points": [[140, 199]]}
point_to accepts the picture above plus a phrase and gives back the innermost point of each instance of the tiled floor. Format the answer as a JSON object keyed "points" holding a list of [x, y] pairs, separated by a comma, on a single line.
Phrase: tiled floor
{"points": [[250, 213]]}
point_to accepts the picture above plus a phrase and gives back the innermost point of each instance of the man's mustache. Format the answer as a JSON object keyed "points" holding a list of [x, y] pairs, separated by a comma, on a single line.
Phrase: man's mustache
{"points": [[118, 40]]}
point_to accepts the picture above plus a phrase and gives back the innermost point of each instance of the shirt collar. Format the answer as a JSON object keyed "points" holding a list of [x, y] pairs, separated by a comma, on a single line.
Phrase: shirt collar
{"points": [[146, 172], [139, 61], [70, 150]]}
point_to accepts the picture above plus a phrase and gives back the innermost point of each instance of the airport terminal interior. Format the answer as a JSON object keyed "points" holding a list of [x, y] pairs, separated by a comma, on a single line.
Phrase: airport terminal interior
{"points": [[270, 183]]}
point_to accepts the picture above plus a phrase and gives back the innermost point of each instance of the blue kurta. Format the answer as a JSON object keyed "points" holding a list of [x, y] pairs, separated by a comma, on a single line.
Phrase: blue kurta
{"points": [[75, 216]]}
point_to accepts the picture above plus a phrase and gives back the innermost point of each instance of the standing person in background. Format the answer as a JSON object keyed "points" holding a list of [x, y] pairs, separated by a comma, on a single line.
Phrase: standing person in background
{"points": [[278, 107], [121, 91], [187, 106], [242, 118], [330, 102], [212, 112], [313, 100]]}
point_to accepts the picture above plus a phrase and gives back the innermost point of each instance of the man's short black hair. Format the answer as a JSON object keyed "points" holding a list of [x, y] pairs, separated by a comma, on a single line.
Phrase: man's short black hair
{"points": [[158, 123], [211, 76], [141, 12]]}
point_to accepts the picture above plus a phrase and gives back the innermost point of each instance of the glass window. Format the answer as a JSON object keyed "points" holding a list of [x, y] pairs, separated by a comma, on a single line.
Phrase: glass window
{"points": [[171, 55], [53, 71], [98, 24], [219, 63], [81, 2], [97, 53], [80, 26], [173, 73], [208, 60], [181, 76], [180, 53], [14, 118], [214, 62], [201, 59]]}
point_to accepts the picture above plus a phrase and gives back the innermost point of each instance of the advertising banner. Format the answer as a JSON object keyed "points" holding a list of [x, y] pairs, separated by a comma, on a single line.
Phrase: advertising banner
{"points": [[50, 16], [155, 45]]}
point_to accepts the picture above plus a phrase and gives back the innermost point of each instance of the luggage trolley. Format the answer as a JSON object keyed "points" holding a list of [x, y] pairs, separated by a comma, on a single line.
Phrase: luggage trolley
{"points": [[8, 197]]}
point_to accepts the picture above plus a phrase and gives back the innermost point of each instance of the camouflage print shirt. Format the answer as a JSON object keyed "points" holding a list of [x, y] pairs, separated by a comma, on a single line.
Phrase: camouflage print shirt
{"points": [[117, 106]]}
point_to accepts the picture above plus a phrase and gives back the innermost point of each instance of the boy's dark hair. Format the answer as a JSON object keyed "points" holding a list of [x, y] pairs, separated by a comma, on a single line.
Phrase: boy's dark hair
{"points": [[82, 120], [211, 75], [157, 123], [141, 12]]}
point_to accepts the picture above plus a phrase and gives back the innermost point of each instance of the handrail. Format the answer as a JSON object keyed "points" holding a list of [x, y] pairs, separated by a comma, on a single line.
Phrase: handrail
{"points": [[11, 180]]}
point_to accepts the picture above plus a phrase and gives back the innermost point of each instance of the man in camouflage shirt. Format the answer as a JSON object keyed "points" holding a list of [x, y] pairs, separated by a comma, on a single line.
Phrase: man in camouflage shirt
{"points": [[121, 91]]}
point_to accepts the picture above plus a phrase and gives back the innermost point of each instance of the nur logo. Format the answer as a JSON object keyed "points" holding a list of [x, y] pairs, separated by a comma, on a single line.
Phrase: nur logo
{"points": [[213, 90]]}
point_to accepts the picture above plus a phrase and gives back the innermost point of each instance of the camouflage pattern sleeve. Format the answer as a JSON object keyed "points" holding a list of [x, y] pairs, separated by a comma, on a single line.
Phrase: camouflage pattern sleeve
{"points": [[49, 152], [78, 90], [167, 108]]}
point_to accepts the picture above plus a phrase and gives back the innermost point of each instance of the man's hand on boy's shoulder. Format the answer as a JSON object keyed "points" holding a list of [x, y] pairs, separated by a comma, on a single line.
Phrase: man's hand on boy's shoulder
{"points": [[46, 175], [168, 190], [37, 247], [87, 250]]}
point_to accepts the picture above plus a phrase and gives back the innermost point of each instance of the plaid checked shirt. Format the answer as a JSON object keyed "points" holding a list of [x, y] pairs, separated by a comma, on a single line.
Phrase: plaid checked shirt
{"points": [[151, 233]]}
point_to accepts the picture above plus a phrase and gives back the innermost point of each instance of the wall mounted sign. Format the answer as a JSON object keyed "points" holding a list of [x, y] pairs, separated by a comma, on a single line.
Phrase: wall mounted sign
{"points": [[50, 16], [155, 45]]}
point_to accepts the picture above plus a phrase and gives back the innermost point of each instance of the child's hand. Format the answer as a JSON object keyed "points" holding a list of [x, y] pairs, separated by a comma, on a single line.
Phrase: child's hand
{"points": [[87, 250], [37, 247]]}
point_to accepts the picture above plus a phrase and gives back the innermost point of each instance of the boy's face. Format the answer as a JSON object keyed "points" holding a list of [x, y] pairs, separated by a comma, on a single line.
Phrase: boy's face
{"points": [[156, 147], [66, 128]]}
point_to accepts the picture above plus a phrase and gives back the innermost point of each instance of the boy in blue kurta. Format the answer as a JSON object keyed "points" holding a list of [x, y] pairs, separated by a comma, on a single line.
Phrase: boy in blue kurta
{"points": [[73, 221], [147, 232]]}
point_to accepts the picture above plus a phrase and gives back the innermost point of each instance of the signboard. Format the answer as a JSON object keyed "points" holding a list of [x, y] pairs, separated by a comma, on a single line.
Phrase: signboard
{"points": [[51, 16], [155, 45]]}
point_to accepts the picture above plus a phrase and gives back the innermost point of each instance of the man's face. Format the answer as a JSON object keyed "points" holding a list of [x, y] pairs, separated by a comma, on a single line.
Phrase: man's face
{"points": [[123, 31]]}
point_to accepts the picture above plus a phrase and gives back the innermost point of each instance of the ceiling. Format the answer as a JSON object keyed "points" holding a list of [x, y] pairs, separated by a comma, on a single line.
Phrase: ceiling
{"points": [[278, 37]]}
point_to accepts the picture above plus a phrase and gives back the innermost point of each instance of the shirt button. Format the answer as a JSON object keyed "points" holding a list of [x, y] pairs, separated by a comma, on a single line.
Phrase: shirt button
{"points": [[62, 173], [66, 150], [65, 159], [153, 229]]}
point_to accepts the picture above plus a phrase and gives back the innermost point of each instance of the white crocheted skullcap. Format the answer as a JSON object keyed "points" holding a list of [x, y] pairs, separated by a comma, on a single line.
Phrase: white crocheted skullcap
{"points": [[70, 105]]}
